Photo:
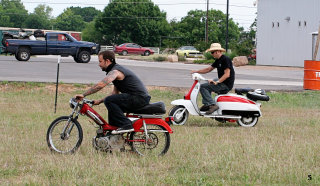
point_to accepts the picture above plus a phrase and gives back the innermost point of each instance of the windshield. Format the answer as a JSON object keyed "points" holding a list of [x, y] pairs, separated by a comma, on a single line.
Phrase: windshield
{"points": [[72, 38], [190, 48]]}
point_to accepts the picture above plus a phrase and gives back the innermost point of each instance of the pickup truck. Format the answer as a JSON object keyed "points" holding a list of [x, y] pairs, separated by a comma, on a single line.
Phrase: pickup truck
{"points": [[54, 43]]}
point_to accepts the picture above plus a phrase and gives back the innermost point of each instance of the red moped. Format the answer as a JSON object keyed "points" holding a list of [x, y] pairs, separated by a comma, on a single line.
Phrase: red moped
{"points": [[151, 133]]}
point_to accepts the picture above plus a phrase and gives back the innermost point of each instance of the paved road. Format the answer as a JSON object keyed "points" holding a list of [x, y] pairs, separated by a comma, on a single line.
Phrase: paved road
{"points": [[44, 69]]}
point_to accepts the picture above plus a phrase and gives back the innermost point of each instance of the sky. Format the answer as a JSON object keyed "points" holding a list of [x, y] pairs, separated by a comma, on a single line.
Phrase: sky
{"points": [[241, 11]]}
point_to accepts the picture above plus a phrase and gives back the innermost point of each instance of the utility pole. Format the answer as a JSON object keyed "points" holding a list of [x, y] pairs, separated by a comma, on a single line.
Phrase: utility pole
{"points": [[206, 32], [227, 30]]}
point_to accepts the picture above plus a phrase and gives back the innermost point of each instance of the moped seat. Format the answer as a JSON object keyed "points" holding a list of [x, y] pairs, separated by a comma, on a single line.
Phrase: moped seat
{"points": [[157, 108]]}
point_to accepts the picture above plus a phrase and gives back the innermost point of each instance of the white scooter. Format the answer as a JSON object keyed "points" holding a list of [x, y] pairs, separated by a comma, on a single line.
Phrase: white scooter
{"points": [[232, 107]]}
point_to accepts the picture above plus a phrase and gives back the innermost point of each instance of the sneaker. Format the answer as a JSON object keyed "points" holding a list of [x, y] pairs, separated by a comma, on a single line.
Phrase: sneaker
{"points": [[212, 108], [124, 129], [204, 108]]}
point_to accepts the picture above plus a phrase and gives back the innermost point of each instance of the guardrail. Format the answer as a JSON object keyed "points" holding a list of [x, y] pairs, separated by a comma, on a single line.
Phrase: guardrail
{"points": [[104, 47]]}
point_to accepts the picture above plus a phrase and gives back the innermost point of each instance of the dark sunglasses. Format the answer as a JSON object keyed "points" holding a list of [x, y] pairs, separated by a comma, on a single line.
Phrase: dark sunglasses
{"points": [[213, 52]]}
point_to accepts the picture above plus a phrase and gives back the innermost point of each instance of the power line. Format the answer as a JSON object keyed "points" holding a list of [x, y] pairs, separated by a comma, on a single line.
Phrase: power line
{"points": [[165, 4], [121, 17]]}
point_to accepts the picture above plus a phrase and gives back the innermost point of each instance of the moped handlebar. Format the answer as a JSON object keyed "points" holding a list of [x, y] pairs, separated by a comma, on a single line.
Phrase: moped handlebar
{"points": [[75, 102]]}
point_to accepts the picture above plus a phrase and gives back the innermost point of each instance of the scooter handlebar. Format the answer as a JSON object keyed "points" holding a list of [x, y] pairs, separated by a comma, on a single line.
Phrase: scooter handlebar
{"points": [[197, 76]]}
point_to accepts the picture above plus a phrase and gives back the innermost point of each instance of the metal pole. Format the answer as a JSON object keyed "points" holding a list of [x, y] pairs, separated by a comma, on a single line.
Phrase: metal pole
{"points": [[227, 31], [206, 32], [57, 83]]}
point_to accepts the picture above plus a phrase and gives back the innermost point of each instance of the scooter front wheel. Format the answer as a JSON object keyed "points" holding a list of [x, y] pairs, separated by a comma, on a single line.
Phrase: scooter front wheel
{"points": [[180, 115], [248, 121]]}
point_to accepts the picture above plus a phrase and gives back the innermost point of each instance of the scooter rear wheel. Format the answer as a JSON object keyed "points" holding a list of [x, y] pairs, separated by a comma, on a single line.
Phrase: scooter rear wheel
{"points": [[179, 119], [248, 121]]}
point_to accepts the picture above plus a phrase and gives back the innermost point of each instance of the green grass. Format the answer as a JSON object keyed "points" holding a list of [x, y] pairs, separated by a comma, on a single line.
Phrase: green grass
{"points": [[283, 148]]}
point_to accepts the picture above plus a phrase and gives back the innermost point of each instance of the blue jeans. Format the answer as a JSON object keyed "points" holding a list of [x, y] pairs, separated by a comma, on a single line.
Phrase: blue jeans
{"points": [[206, 89], [117, 104]]}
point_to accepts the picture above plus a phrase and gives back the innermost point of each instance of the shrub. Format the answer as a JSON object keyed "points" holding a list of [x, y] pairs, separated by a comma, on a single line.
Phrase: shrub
{"points": [[203, 61], [231, 55], [181, 58], [208, 56], [160, 58], [252, 62]]}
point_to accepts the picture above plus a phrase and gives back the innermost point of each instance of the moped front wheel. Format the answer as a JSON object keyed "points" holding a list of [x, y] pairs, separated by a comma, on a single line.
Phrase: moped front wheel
{"points": [[248, 121], [155, 143], [64, 136], [180, 115]]}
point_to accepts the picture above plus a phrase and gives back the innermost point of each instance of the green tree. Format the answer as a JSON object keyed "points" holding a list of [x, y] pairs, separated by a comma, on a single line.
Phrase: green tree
{"points": [[12, 13], [40, 19], [90, 33], [192, 29], [246, 42], [43, 10], [69, 21], [131, 21], [87, 13]]}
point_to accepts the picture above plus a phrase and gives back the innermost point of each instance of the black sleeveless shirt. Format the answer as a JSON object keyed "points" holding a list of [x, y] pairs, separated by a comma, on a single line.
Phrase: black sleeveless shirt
{"points": [[131, 84]]}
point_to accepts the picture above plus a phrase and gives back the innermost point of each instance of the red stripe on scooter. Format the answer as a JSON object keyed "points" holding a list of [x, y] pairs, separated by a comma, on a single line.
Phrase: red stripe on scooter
{"points": [[187, 96], [234, 99]]}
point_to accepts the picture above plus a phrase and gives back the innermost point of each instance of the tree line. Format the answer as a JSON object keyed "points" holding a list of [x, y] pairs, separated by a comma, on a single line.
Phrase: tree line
{"points": [[128, 21]]}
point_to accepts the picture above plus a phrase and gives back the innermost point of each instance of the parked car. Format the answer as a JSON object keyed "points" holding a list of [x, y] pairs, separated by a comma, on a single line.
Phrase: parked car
{"points": [[54, 43], [132, 48], [188, 51]]}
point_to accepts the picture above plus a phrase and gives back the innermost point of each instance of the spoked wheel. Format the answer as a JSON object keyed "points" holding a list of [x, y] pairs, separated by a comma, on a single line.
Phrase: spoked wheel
{"points": [[157, 143], [180, 115], [247, 121], [64, 142]]}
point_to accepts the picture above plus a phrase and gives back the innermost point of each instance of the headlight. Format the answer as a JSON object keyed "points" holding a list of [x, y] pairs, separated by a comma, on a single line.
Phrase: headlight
{"points": [[73, 103], [94, 47]]}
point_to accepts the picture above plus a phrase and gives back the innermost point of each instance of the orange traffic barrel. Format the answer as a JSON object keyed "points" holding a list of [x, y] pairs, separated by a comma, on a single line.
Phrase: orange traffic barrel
{"points": [[311, 79]]}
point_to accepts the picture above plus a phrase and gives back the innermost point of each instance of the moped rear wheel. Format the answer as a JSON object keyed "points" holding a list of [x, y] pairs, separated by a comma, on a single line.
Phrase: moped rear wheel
{"points": [[157, 143], [180, 115], [64, 142], [248, 121]]}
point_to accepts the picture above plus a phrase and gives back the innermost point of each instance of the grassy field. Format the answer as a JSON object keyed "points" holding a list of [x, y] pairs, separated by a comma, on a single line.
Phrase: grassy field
{"points": [[283, 148]]}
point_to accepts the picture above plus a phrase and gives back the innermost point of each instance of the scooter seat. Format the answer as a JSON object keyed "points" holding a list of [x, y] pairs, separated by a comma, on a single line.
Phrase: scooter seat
{"points": [[157, 108], [255, 96], [241, 91]]}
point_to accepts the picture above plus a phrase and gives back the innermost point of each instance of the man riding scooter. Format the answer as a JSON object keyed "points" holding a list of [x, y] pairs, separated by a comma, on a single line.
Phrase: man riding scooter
{"points": [[225, 82]]}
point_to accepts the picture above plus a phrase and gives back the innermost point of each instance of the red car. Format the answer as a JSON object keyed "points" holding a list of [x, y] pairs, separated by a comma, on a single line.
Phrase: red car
{"points": [[132, 48], [253, 55]]}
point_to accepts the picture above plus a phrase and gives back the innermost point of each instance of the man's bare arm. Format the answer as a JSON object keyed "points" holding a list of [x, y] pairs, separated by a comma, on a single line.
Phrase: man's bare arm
{"points": [[108, 79], [204, 70], [225, 76]]}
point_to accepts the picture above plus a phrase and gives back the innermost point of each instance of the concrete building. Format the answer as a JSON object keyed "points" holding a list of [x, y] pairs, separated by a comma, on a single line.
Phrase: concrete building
{"points": [[284, 31]]}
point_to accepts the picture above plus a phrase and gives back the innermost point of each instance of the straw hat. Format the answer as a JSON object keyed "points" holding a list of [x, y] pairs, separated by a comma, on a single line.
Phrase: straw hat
{"points": [[214, 47]]}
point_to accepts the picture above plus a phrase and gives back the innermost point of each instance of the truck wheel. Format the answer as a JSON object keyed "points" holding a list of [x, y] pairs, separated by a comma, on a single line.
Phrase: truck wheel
{"points": [[84, 57], [23, 54], [16, 56], [76, 59]]}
